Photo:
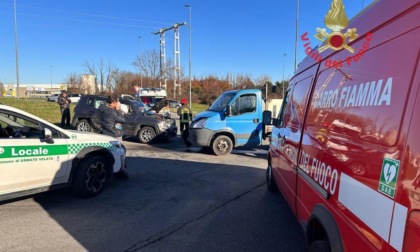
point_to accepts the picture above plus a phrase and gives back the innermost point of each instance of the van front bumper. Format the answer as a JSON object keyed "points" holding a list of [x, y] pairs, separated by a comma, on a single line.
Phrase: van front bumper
{"points": [[200, 137]]}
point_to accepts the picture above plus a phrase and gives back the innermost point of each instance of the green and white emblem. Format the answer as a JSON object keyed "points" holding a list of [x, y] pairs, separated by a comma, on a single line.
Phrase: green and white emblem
{"points": [[389, 176]]}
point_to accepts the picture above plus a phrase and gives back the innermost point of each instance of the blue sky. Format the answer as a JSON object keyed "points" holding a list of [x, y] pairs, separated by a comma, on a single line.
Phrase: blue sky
{"points": [[55, 38]]}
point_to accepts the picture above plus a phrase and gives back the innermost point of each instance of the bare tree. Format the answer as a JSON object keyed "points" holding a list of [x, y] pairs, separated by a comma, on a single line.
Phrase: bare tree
{"points": [[124, 82], [75, 84], [91, 68], [262, 80], [149, 66], [102, 72], [111, 77], [283, 85], [244, 81]]}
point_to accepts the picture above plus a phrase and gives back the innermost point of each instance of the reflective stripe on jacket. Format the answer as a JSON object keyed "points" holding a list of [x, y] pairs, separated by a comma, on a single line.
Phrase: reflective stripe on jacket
{"points": [[185, 114]]}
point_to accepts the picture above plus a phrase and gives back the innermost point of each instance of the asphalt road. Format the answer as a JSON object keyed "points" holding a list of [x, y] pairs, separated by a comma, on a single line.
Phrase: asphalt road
{"points": [[176, 199]]}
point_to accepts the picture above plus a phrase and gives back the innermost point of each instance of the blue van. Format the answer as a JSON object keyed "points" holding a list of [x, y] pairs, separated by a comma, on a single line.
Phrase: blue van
{"points": [[234, 119]]}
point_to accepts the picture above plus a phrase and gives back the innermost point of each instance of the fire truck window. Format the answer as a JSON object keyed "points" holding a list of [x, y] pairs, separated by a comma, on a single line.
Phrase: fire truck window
{"points": [[298, 102], [283, 109]]}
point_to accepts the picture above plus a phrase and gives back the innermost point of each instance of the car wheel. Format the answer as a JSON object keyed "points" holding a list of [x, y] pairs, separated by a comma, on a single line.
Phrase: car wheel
{"points": [[146, 134], [222, 145], [90, 176], [271, 185], [320, 246], [83, 125]]}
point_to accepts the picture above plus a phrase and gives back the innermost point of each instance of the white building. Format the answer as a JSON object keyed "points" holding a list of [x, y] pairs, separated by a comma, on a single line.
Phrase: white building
{"points": [[32, 90]]}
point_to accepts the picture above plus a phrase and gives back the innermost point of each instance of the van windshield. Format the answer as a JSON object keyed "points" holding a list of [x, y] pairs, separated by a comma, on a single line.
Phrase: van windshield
{"points": [[222, 102]]}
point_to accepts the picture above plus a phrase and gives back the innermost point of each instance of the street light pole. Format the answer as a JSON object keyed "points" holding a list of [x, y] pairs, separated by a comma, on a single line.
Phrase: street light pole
{"points": [[17, 54], [189, 54], [284, 56], [140, 66]]}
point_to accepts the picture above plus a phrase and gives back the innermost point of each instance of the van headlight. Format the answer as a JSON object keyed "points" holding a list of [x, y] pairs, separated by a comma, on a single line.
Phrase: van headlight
{"points": [[201, 123]]}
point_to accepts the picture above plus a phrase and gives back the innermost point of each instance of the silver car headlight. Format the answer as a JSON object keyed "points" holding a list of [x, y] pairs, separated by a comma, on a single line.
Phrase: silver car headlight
{"points": [[170, 122], [163, 125], [199, 124]]}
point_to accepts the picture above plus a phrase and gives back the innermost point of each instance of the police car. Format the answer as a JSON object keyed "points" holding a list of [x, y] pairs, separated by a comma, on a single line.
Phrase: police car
{"points": [[37, 156]]}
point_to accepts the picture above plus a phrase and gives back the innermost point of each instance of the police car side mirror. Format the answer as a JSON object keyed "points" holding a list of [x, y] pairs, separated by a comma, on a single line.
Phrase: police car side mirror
{"points": [[48, 136]]}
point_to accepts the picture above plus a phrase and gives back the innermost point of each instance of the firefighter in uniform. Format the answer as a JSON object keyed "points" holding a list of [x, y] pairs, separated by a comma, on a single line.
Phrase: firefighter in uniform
{"points": [[185, 116]]}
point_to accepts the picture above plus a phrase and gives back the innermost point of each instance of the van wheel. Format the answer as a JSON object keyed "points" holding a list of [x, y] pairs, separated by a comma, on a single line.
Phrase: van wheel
{"points": [[146, 134], [83, 125], [222, 145], [271, 185], [90, 176], [320, 246]]}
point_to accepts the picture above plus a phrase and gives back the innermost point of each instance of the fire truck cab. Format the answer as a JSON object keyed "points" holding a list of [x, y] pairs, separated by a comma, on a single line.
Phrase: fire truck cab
{"points": [[345, 150]]}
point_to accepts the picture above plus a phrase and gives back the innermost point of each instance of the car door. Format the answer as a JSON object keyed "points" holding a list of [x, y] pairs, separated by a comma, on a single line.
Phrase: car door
{"points": [[288, 135], [92, 111], [131, 118], [244, 120], [27, 160]]}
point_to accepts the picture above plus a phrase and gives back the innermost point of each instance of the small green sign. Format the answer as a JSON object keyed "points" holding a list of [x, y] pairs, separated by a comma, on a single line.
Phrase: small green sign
{"points": [[389, 176]]}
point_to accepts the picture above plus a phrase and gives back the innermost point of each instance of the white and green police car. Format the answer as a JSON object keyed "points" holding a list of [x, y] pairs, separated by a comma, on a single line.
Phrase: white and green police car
{"points": [[36, 156]]}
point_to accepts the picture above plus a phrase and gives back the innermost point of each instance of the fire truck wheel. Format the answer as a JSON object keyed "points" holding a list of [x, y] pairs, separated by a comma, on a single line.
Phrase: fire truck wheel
{"points": [[271, 185], [320, 246]]}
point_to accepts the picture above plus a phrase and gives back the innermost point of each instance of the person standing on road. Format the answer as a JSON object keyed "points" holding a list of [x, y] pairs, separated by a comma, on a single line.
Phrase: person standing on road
{"points": [[111, 122], [118, 126], [136, 91], [111, 118], [64, 103], [185, 115]]}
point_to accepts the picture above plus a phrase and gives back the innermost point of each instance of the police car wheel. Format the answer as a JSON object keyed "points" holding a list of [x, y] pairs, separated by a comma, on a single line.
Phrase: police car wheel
{"points": [[90, 176], [271, 185], [83, 125], [146, 134], [222, 145]]}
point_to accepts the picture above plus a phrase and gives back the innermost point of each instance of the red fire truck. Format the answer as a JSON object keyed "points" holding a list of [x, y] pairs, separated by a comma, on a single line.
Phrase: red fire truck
{"points": [[345, 148]]}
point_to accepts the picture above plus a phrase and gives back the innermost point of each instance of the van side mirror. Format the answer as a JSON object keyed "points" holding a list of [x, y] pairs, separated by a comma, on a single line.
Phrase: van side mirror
{"points": [[267, 117], [48, 136], [228, 110]]}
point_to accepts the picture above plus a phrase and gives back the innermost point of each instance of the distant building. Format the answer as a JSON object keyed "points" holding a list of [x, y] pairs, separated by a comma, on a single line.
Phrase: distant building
{"points": [[88, 83], [32, 90], [88, 86]]}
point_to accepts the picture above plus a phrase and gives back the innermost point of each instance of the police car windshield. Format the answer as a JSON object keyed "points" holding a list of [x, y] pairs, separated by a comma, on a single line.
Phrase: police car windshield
{"points": [[220, 103]]}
